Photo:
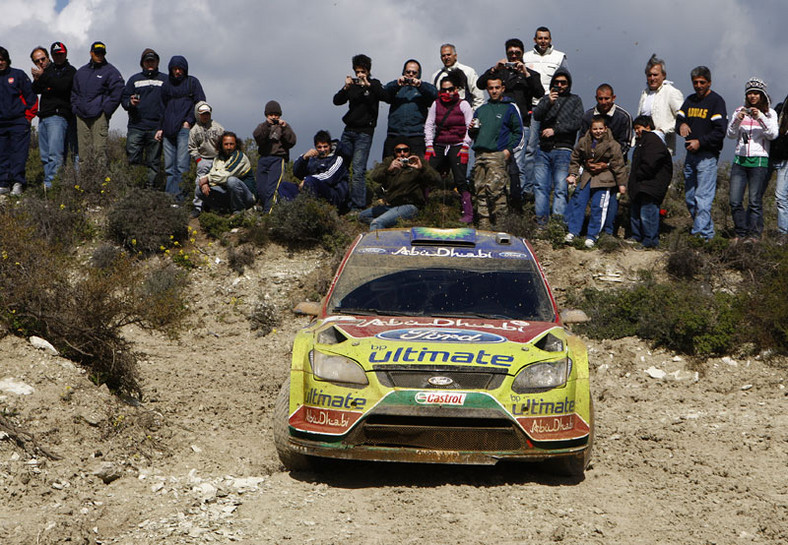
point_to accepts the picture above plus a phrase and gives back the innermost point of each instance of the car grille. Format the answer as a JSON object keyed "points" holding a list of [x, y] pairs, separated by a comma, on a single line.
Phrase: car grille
{"points": [[462, 378], [452, 434]]}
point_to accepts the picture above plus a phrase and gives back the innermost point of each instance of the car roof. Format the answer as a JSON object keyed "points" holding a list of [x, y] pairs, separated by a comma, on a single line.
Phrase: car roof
{"points": [[464, 242]]}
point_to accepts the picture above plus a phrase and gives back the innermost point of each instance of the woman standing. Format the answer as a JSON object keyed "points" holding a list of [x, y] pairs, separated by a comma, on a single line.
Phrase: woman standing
{"points": [[752, 126]]}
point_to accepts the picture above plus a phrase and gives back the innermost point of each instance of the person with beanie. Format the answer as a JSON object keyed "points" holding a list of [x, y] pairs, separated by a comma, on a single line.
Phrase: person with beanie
{"points": [[409, 97], [753, 126], [180, 93], [56, 122], [95, 96], [18, 106], [141, 98], [274, 138]]}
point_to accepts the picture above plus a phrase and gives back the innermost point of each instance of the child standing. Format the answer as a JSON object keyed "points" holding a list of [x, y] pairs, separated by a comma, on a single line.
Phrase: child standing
{"points": [[598, 162]]}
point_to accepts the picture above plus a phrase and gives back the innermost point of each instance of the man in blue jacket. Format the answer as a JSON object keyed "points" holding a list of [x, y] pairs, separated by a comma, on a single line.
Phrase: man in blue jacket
{"points": [[142, 100], [323, 171], [18, 104], [95, 96], [410, 98], [179, 94]]}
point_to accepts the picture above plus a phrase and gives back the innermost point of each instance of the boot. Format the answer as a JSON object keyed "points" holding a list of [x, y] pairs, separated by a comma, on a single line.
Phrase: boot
{"points": [[467, 208]]}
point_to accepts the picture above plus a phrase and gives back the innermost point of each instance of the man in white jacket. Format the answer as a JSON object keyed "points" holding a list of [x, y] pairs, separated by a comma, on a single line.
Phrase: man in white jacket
{"points": [[661, 100], [468, 91]]}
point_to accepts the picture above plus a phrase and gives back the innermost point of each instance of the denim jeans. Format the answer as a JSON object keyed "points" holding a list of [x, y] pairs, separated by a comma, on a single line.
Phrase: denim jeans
{"points": [[781, 197], [176, 162], [142, 148], [526, 185], [52, 133], [360, 143], [550, 174], [644, 220], [600, 198], [203, 168], [529, 159], [748, 223], [700, 187], [382, 216], [232, 195]]}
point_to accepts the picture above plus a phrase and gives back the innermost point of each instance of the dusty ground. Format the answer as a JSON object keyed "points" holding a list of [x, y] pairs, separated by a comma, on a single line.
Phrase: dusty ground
{"points": [[685, 459]]}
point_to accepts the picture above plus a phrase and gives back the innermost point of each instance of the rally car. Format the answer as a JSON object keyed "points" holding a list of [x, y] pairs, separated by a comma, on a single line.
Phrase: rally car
{"points": [[437, 346]]}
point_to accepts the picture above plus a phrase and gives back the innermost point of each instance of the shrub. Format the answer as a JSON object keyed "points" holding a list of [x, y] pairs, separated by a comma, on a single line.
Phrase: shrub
{"points": [[264, 317], [238, 258], [307, 221], [145, 221]]}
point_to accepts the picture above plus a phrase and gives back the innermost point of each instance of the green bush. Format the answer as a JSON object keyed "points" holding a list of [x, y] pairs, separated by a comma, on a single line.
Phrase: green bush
{"points": [[145, 221], [306, 222]]}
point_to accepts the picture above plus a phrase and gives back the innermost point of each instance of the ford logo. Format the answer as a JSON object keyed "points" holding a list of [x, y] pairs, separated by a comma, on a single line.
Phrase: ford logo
{"points": [[440, 335], [440, 381]]}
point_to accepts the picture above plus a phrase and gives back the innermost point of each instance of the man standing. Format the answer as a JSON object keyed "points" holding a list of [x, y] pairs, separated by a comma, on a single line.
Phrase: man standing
{"points": [[522, 85], [179, 94], [274, 138], [142, 100], [702, 121], [619, 122], [229, 182], [53, 81], [468, 89], [545, 60], [661, 101], [364, 94], [410, 98], [559, 114], [18, 104], [95, 96], [497, 131]]}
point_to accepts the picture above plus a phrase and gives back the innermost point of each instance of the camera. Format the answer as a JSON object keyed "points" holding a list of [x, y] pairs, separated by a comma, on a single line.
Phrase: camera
{"points": [[408, 81], [274, 122], [356, 80], [135, 96], [511, 65], [404, 161]]}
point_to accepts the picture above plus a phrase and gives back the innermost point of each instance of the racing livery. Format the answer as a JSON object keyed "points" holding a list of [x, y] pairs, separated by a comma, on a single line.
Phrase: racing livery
{"points": [[442, 346]]}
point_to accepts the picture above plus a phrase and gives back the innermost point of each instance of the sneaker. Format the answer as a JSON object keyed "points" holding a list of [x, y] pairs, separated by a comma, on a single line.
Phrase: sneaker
{"points": [[5, 190], [569, 238], [589, 243], [17, 190]]}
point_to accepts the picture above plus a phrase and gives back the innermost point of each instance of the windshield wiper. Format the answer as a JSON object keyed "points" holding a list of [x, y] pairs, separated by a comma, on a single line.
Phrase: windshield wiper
{"points": [[470, 315], [370, 311]]}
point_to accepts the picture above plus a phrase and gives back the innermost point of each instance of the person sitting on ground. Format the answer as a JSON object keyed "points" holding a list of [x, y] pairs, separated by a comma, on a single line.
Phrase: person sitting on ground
{"points": [[229, 185], [446, 136], [649, 178], [599, 156], [323, 172], [205, 141], [404, 179]]}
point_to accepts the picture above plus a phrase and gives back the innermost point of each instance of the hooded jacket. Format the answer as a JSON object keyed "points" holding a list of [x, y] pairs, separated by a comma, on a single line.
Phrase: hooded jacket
{"points": [[147, 84], [54, 85], [563, 116], [97, 90], [501, 127], [18, 102], [204, 139], [178, 96], [409, 105]]}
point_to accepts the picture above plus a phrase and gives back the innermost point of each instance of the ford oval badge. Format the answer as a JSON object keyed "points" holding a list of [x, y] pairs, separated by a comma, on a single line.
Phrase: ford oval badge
{"points": [[440, 381]]}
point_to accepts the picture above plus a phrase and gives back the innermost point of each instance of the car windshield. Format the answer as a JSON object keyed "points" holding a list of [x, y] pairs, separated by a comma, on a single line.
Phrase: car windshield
{"points": [[500, 289]]}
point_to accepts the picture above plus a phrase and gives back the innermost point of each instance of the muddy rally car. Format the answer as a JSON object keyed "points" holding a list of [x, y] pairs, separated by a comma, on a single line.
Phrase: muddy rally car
{"points": [[437, 346]]}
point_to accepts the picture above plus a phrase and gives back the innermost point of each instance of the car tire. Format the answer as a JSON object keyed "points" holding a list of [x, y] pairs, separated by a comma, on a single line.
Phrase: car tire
{"points": [[575, 465], [292, 460]]}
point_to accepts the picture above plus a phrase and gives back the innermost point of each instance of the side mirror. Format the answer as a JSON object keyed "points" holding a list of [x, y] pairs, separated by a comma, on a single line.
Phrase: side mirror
{"points": [[309, 308], [574, 316]]}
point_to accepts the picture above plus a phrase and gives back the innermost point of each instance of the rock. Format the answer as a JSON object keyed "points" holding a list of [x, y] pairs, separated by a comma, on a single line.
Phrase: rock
{"points": [[43, 344], [206, 491], [682, 374], [653, 372], [93, 419], [107, 472], [11, 385], [746, 387], [730, 361]]}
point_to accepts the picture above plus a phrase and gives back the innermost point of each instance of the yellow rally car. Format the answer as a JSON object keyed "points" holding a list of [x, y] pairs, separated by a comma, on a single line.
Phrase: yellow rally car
{"points": [[441, 346]]}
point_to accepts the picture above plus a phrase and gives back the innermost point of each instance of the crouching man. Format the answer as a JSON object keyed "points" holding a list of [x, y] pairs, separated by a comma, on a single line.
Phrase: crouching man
{"points": [[230, 182], [323, 171]]}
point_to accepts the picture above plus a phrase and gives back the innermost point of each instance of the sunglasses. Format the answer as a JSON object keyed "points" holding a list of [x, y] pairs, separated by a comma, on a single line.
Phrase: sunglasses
{"points": [[447, 89], [42, 60], [561, 82], [514, 53], [411, 72], [401, 150]]}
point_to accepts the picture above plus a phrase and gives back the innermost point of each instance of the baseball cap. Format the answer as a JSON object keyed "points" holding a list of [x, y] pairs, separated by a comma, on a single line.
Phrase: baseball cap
{"points": [[58, 47], [98, 47]]}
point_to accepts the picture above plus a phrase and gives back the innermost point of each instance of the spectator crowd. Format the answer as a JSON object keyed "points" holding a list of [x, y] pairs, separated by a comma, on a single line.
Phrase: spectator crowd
{"points": [[530, 141]]}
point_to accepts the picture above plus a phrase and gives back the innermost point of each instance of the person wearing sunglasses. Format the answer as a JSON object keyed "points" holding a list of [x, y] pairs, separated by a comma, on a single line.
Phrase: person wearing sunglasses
{"points": [[410, 98]]}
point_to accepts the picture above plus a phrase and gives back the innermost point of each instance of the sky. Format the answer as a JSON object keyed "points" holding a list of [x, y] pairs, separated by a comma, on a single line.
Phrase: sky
{"points": [[298, 52]]}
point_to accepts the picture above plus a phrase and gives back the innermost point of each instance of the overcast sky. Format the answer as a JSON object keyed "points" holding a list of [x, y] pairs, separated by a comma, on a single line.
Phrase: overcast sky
{"points": [[298, 52]]}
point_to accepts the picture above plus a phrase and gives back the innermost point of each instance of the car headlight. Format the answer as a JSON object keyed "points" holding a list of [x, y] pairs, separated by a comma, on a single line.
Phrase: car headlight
{"points": [[336, 368], [542, 376]]}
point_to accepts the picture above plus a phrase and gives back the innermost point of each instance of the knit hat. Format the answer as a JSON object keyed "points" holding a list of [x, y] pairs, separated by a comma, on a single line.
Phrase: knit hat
{"points": [[58, 47], [758, 85], [272, 107], [149, 54]]}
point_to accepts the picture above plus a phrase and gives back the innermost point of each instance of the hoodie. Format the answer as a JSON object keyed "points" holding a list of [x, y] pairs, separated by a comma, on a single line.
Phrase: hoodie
{"points": [[147, 84], [563, 115], [179, 96], [204, 139]]}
